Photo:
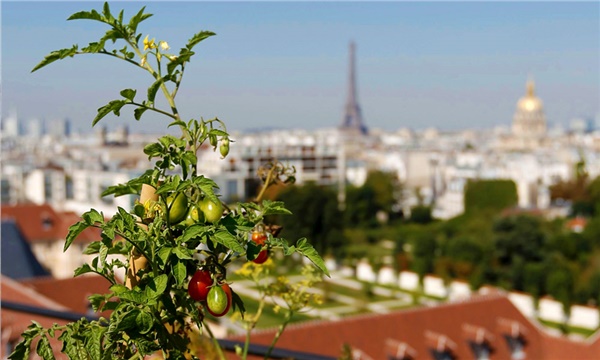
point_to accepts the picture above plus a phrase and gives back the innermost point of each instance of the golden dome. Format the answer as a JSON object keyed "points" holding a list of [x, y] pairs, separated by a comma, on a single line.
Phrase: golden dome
{"points": [[530, 102]]}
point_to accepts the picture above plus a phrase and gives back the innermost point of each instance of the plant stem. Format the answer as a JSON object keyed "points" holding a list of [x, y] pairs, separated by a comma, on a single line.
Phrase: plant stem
{"points": [[251, 324], [214, 340], [279, 332], [266, 184], [156, 110]]}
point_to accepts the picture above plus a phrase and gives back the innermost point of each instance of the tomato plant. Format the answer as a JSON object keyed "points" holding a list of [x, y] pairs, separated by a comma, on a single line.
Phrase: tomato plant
{"points": [[177, 226], [199, 285]]}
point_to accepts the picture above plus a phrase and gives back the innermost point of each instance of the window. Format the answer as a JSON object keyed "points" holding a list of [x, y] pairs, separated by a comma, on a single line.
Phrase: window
{"points": [[69, 188], [47, 187], [517, 346], [232, 188], [481, 350], [441, 354]]}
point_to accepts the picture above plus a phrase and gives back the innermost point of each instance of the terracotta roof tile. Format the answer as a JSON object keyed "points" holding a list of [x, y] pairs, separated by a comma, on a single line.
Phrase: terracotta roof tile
{"points": [[72, 293], [452, 327], [41, 223], [15, 322]]}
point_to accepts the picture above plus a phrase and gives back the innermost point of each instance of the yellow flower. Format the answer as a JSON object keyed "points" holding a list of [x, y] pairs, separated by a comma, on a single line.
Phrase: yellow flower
{"points": [[164, 45], [148, 44], [143, 62]]}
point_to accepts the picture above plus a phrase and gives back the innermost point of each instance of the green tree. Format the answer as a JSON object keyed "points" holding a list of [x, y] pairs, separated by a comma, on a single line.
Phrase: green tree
{"points": [[379, 194], [534, 278], [421, 214], [519, 235], [560, 284], [490, 195], [315, 215], [423, 252], [361, 208], [386, 189]]}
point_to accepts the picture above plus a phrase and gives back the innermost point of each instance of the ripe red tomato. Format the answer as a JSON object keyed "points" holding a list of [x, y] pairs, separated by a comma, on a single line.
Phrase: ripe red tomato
{"points": [[218, 301], [259, 238], [198, 287], [261, 257]]}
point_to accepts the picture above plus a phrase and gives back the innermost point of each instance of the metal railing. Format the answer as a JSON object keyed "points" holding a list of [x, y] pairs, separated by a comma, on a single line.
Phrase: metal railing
{"points": [[228, 345]]}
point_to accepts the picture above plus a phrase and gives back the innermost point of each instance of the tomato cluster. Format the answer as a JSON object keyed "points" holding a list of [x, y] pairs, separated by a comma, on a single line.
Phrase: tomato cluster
{"points": [[216, 296], [204, 211]]}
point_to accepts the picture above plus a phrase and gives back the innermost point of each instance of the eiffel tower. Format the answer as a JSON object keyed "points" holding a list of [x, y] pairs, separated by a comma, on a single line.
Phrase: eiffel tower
{"points": [[352, 121]]}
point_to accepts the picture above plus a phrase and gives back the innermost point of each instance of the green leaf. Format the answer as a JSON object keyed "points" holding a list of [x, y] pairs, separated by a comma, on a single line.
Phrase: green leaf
{"points": [[193, 232], [134, 296], [183, 253], [71, 345], [113, 106], [129, 320], [92, 217], [238, 303], [83, 269], [74, 231], [275, 208], [164, 253], [198, 37], [86, 15], [306, 249], [225, 238], [44, 349], [103, 255], [93, 343], [156, 287], [144, 322], [128, 94], [252, 250], [153, 149], [177, 123], [138, 18], [106, 13], [179, 271], [118, 289], [153, 89], [22, 350], [56, 55], [218, 132], [92, 248], [207, 186], [138, 112]]}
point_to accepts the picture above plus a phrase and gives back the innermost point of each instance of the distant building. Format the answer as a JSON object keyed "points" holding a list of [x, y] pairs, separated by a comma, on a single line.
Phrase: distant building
{"points": [[529, 128], [352, 122], [529, 120], [45, 231]]}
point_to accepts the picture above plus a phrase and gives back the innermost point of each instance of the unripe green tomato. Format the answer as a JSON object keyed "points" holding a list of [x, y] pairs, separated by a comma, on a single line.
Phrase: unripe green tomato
{"points": [[177, 206], [212, 211], [218, 300], [212, 139], [224, 148], [193, 216]]}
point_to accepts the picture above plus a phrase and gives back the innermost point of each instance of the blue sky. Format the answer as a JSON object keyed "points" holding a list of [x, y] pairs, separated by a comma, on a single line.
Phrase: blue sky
{"points": [[450, 65]]}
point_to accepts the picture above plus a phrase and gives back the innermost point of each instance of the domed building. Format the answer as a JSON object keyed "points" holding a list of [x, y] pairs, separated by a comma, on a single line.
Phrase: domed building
{"points": [[528, 126], [529, 121]]}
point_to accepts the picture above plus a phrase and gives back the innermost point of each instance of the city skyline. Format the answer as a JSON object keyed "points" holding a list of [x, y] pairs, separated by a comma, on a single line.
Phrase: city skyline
{"points": [[280, 64]]}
